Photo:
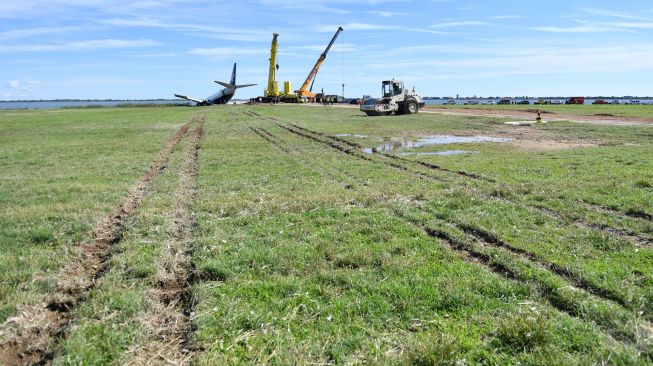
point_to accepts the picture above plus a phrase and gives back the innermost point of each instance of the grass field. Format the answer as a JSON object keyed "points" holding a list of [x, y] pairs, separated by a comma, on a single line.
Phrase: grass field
{"points": [[266, 235], [636, 111]]}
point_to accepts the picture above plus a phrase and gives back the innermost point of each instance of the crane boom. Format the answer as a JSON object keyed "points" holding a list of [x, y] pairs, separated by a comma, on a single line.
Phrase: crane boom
{"points": [[302, 92], [273, 88]]}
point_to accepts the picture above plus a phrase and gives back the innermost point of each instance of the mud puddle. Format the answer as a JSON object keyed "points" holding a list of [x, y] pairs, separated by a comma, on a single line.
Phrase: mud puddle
{"points": [[351, 135], [391, 146], [438, 153]]}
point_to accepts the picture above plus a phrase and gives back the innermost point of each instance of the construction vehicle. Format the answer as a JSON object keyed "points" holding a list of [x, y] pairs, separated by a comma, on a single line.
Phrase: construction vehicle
{"points": [[395, 99], [272, 94], [305, 93]]}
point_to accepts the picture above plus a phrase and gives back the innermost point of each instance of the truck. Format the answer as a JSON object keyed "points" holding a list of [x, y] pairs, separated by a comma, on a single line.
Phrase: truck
{"points": [[396, 99], [576, 100]]}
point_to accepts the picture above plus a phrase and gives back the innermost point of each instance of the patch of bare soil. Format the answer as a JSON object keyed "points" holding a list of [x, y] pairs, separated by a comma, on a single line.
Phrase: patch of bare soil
{"points": [[167, 325], [29, 338], [532, 114], [541, 145]]}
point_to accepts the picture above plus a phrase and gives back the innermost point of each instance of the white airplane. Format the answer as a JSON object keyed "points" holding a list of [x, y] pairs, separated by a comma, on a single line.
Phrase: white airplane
{"points": [[221, 97]]}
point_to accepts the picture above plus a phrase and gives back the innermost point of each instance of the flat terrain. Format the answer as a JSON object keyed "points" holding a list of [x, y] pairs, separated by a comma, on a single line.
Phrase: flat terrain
{"points": [[317, 235], [598, 114]]}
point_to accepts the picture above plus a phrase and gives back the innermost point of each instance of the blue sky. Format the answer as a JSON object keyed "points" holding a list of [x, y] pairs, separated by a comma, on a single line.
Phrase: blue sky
{"points": [[141, 49]]}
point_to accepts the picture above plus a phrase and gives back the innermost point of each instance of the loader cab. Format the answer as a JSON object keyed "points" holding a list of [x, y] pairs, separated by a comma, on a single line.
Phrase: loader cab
{"points": [[392, 88]]}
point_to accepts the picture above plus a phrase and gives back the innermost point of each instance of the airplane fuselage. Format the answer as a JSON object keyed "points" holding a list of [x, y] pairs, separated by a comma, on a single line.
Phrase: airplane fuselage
{"points": [[221, 97]]}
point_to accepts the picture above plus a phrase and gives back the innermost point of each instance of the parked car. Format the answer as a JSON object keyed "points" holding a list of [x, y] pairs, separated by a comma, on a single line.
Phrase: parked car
{"points": [[576, 100], [471, 102], [615, 102], [524, 102], [488, 102], [450, 102], [599, 101], [504, 102], [557, 102]]}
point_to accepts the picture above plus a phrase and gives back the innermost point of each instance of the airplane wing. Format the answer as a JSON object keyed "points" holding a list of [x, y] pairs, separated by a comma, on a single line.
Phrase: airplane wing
{"points": [[226, 85], [190, 98], [232, 86]]}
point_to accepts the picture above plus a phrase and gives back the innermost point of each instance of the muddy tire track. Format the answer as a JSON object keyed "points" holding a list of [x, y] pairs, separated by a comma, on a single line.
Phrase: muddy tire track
{"points": [[631, 213], [348, 182], [354, 150], [633, 238], [471, 254], [30, 337], [486, 238], [269, 138], [169, 326]]}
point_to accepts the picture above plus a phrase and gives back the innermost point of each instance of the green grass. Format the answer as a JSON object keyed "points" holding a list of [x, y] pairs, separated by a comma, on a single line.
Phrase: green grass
{"points": [[60, 172], [638, 111], [310, 255]]}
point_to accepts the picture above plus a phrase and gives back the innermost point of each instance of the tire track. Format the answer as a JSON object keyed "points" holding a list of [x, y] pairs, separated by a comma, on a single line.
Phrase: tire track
{"points": [[484, 237], [269, 138], [30, 337], [633, 238], [169, 326], [395, 157], [489, 239], [469, 253]]}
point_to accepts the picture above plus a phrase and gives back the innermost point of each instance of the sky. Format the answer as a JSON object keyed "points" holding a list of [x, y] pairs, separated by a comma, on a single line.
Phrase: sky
{"points": [[141, 49]]}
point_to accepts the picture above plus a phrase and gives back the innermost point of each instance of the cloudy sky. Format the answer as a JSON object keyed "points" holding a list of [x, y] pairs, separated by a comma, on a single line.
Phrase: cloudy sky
{"points": [[140, 49]]}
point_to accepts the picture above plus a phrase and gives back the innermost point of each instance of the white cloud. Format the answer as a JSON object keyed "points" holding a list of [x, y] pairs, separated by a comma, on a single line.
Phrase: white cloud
{"points": [[225, 33], [227, 51], [632, 25], [493, 62], [43, 31], [380, 27], [502, 17], [467, 7], [469, 23], [29, 85], [609, 13], [81, 45], [598, 28], [346, 47], [388, 14]]}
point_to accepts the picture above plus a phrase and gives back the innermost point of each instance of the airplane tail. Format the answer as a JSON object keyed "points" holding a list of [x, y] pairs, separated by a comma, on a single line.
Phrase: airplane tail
{"points": [[232, 84]]}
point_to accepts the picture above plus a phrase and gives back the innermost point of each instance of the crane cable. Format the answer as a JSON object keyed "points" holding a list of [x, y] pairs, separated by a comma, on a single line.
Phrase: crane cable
{"points": [[342, 65]]}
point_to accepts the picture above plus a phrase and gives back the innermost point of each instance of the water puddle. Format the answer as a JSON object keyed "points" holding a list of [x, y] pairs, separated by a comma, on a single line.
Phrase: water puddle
{"points": [[390, 146], [350, 135], [439, 153]]}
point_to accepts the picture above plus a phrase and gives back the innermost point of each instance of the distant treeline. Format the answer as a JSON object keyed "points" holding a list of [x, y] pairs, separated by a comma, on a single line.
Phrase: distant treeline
{"points": [[85, 100], [559, 97]]}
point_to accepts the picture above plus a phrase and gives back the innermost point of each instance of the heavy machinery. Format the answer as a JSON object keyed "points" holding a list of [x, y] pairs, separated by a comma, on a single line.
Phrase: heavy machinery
{"points": [[271, 94], [306, 93], [396, 98]]}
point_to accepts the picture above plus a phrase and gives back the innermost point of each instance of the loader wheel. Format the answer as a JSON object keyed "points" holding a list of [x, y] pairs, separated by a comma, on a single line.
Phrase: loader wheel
{"points": [[411, 106]]}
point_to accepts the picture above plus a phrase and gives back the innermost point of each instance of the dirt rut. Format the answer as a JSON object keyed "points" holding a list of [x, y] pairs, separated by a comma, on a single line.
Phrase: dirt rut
{"points": [[168, 326], [31, 336]]}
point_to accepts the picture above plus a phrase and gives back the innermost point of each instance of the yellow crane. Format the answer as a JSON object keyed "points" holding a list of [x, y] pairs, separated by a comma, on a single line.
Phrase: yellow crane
{"points": [[273, 85], [303, 92]]}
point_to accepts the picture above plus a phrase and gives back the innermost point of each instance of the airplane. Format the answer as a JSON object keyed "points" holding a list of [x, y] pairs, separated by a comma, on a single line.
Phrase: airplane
{"points": [[221, 97]]}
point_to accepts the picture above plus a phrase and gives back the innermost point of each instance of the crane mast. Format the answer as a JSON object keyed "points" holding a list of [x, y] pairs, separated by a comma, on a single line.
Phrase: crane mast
{"points": [[302, 92], [273, 85]]}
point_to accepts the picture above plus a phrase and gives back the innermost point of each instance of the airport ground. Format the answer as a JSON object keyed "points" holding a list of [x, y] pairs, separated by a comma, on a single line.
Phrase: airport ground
{"points": [[313, 235]]}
